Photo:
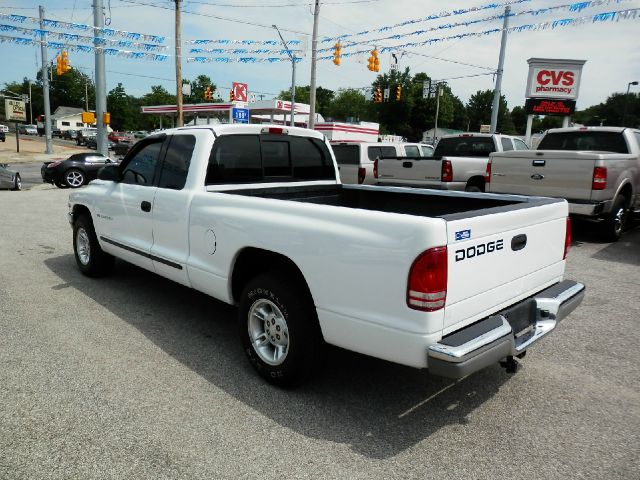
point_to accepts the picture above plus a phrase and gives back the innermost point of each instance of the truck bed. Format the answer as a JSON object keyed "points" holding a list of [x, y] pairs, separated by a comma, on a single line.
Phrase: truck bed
{"points": [[418, 202]]}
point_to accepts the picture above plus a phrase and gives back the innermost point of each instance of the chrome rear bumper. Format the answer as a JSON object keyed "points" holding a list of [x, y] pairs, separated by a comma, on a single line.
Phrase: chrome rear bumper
{"points": [[494, 338]]}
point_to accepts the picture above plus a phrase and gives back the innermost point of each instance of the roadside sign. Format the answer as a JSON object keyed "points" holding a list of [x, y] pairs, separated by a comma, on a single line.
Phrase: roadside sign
{"points": [[240, 115], [386, 94], [88, 117], [15, 110], [426, 89], [485, 128], [240, 91]]}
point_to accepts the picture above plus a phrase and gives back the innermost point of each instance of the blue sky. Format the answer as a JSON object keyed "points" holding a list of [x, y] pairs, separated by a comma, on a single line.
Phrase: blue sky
{"points": [[610, 48]]}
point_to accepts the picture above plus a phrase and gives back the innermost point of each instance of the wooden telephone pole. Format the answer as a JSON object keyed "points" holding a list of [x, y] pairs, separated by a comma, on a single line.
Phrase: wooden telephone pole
{"points": [[180, 119]]}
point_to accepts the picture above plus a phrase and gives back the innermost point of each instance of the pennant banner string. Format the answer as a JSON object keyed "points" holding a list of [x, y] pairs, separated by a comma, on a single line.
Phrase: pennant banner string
{"points": [[242, 42], [72, 37], [617, 16], [571, 7], [242, 51], [101, 32], [85, 48], [428, 18]]}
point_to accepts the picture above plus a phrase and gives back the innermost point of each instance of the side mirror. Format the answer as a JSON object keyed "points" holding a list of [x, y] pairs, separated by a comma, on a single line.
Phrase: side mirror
{"points": [[110, 172]]}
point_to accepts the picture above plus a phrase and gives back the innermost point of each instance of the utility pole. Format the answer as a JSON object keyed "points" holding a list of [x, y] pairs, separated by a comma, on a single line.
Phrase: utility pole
{"points": [[496, 92], [45, 86], [30, 105], [101, 81], [293, 77], [180, 121], [312, 87], [435, 129]]}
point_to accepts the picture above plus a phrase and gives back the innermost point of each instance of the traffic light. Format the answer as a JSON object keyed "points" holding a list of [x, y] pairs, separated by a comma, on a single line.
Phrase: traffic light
{"points": [[59, 65], [232, 95], [65, 62], [374, 61], [377, 96], [337, 51], [398, 92], [208, 93]]}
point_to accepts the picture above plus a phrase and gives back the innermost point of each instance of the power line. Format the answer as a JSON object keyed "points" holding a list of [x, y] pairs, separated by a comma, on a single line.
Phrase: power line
{"points": [[218, 17]]}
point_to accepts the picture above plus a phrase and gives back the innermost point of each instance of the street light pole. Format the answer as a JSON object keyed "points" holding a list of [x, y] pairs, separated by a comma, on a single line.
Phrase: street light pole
{"points": [[312, 87], [293, 76], [626, 101]]}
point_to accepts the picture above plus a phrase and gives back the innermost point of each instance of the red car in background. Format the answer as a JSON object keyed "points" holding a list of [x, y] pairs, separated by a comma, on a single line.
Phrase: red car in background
{"points": [[117, 137]]}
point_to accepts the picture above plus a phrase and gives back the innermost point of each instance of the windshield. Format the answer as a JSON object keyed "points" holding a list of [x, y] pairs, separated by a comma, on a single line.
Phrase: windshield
{"points": [[464, 147], [583, 140]]}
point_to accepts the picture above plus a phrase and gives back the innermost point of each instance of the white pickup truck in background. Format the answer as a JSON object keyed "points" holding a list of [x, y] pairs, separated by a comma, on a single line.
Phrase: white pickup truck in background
{"points": [[356, 159], [256, 216], [459, 162], [596, 169]]}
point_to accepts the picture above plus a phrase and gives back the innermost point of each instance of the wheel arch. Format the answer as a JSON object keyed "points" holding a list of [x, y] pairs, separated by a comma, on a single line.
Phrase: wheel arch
{"points": [[626, 190], [78, 210], [253, 261], [476, 180]]}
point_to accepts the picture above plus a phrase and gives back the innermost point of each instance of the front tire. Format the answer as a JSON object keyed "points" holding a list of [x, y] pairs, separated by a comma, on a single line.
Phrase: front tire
{"points": [[613, 224], [74, 178], [279, 329], [17, 183], [91, 259]]}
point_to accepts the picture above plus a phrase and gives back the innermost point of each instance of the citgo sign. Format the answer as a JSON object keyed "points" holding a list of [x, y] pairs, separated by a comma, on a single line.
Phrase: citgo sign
{"points": [[549, 78]]}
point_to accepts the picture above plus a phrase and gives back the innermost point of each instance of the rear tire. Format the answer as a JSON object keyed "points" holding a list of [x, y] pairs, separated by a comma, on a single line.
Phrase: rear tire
{"points": [[279, 329], [473, 188], [17, 183], [613, 224], [91, 259]]}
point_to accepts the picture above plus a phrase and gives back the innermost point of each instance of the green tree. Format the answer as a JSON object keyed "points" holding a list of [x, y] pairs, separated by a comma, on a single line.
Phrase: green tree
{"points": [[122, 109], [519, 119], [479, 111], [324, 97], [349, 104]]}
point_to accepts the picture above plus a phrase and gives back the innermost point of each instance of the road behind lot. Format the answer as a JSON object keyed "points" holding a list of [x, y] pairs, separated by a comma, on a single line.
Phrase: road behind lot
{"points": [[133, 376]]}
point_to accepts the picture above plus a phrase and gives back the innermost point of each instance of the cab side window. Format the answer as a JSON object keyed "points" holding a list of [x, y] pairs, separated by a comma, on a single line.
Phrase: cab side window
{"points": [[520, 145], [235, 159], [412, 151], [506, 144], [140, 169], [176, 162]]}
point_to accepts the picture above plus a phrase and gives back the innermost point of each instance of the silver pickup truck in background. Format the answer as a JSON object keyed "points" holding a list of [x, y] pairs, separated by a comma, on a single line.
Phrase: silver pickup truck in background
{"points": [[596, 169], [459, 162]]}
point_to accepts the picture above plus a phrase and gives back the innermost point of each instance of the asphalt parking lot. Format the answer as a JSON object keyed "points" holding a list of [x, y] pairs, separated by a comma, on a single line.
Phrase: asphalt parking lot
{"points": [[133, 376]]}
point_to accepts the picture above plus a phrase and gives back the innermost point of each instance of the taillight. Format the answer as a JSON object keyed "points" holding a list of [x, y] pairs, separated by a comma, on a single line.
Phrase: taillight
{"points": [[361, 174], [427, 285], [375, 168], [447, 171], [487, 173], [567, 239], [53, 164], [599, 178]]}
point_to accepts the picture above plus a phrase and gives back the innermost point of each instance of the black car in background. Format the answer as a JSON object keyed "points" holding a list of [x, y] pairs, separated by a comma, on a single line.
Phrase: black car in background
{"points": [[3, 137], [77, 170]]}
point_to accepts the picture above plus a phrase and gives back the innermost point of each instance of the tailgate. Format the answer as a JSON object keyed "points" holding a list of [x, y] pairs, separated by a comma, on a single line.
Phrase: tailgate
{"points": [[550, 173], [498, 259], [422, 170]]}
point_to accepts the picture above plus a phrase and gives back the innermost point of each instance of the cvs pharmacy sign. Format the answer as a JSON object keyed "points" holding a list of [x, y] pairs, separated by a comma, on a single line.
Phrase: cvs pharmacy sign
{"points": [[552, 80]]}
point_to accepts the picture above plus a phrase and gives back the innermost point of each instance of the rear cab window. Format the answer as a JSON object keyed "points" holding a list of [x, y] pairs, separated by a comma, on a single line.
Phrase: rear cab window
{"points": [[464, 146], [412, 151], [347, 154], [268, 158], [585, 140], [506, 144], [376, 151]]}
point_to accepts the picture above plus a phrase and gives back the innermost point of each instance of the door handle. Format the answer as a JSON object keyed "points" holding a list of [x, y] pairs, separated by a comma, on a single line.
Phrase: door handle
{"points": [[539, 163], [145, 206], [407, 164]]}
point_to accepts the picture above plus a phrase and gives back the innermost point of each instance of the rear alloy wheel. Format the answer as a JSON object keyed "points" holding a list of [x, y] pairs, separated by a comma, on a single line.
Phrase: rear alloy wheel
{"points": [[91, 259], [74, 178], [279, 329], [614, 223], [17, 183]]}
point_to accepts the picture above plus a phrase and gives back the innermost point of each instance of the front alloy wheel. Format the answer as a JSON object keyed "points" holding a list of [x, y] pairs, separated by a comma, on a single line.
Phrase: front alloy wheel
{"points": [[74, 178]]}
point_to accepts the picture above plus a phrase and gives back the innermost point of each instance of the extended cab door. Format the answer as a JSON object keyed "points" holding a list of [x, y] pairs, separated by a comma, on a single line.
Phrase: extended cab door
{"points": [[170, 248], [124, 215]]}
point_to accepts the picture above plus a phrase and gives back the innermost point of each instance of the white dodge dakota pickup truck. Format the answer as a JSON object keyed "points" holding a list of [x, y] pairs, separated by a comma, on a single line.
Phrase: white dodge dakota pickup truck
{"points": [[596, 169], [256, 216]]}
